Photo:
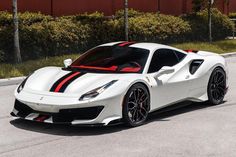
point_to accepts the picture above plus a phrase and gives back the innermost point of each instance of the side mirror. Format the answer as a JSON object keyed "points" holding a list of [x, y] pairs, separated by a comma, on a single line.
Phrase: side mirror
{"points": [[164, 70], [67, 62]]}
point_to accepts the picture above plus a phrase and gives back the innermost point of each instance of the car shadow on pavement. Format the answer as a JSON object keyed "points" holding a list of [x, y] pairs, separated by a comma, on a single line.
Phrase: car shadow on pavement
{"points": [[66, 130], [166, 113]]}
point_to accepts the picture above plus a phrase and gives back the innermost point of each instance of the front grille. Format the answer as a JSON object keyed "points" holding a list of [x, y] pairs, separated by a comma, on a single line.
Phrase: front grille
{"points": [[64, 115], [87, 113]]}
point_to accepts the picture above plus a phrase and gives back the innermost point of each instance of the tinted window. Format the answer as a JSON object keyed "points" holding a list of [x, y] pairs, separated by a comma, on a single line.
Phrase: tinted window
{"points": [[180, 55], [113, 58], [162, 57]]}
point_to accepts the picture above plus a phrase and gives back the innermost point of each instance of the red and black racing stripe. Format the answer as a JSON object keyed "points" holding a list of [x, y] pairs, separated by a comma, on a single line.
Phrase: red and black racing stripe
{"points": [[125, 44], [60, 85]]}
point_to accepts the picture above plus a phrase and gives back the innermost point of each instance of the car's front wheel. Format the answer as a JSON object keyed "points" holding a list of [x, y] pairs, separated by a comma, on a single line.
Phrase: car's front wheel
{"points": [[217, 86], [136, 105]]}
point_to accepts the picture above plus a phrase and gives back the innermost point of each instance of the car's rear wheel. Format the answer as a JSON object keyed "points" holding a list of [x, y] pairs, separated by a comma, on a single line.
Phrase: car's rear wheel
{"points": [[136, 105], [216, 86]]}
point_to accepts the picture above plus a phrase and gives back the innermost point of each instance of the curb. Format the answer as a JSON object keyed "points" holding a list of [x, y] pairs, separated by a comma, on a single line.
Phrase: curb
{"points": [[11, 81], [17, 80], [227, 55]]}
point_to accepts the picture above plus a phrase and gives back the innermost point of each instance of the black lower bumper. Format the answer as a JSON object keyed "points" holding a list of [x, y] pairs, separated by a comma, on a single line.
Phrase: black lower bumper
{"points": [[64, 116]]}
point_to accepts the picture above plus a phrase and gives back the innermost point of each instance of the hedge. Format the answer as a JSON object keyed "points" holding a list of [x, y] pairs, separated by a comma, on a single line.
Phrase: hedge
{"points": [[222, 27], [232, 15], [42, 35]]}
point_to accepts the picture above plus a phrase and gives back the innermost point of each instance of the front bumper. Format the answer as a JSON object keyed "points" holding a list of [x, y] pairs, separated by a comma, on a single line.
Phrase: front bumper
{"points": [[29, 106], [64, 116]]}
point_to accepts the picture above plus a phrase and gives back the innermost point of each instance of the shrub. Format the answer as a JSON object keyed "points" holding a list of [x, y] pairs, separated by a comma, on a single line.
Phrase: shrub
{"points": [[52, 38], [152, 27], [232, 15], [99, 28], [5, 18], [1, 55], [158, 28], [25, 18], [42, 35], [6, 42], [132, 13], [221, 25], [28, 18], [65, 36]]}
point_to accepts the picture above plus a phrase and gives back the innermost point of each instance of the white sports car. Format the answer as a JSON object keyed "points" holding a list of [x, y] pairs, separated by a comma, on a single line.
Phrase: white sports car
{"points": [[120, 81]]}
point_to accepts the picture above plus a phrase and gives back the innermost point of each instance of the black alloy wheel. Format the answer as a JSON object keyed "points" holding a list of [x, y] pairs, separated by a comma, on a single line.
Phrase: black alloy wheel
{"points": [[136, 105], [217, 86]]}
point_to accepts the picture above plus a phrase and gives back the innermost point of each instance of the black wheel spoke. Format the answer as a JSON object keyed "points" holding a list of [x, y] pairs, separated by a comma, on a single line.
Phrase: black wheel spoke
{"points": [[138, 105], [217, 86], [221, 78], [143, 115], [222, 82], [215, 77], [131, 105], [143, 100], [133, 115]]}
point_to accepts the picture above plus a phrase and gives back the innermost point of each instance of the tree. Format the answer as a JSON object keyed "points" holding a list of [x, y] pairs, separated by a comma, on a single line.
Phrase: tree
{"points": [[16, 33], [210, 2], [202, 4], [197, 5], [126, 20]]}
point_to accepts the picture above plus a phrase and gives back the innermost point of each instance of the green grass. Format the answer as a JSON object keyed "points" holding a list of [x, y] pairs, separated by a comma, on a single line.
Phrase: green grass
{"points": [[9, 70], [223, 46]]}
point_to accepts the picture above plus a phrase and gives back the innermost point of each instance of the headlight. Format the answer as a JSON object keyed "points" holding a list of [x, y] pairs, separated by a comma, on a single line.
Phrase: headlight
{"points": [[93, 93], [21, 86]]}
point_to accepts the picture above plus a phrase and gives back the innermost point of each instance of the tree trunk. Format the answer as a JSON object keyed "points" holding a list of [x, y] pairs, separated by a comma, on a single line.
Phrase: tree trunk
{"points": [[126, 20], [209, 21], [16, 33]]}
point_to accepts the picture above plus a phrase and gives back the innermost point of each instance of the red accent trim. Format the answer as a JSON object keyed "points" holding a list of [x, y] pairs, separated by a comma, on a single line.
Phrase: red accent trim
{"points": [[126, 43], [41, 118], [65, 80], [193, 51], [130, 69], [188, 50], [112, 68]]}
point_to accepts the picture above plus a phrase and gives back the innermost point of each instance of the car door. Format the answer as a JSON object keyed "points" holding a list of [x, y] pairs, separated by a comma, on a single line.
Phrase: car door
{"points": [[169, 88]]}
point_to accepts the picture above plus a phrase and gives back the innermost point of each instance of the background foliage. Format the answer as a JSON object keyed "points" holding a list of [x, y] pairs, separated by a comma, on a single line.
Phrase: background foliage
{"points": [[43, 36]]}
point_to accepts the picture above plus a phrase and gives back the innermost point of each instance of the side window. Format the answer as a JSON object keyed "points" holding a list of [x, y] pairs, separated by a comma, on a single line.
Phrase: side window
{"points": [[162, 57], [180, 55]]}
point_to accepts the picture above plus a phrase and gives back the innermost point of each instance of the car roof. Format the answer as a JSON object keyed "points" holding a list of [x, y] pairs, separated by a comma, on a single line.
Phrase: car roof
{"points": [[144, 45]]}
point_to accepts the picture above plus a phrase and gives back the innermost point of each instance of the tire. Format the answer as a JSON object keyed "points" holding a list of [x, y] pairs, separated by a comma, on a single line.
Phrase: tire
{"points": [[216, 87], [136, 105]]}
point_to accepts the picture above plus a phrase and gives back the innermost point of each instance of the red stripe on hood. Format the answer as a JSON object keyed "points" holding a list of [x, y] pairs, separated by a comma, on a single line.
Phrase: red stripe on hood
{"points": [[65, 80]]}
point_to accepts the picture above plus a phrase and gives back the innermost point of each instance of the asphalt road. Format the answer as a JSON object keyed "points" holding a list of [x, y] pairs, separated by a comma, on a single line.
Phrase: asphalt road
{"points": [[193, 131]]}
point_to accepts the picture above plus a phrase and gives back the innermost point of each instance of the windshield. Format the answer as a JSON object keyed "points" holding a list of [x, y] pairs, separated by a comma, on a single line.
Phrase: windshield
{"points": [[113, 59]]}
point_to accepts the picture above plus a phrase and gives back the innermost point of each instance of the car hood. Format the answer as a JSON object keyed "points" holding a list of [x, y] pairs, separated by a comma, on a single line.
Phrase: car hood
{"points": [[51, 79]]}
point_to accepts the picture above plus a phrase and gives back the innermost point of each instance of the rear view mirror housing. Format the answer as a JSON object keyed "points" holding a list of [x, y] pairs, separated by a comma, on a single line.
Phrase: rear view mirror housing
{"points": [[164, 70], [67, 62]]}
